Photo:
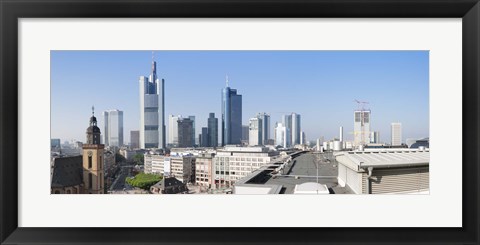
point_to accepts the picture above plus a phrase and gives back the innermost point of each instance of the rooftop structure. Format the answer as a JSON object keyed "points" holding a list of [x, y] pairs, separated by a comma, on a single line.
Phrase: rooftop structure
{"points": [[378, 171], [285, 176]]}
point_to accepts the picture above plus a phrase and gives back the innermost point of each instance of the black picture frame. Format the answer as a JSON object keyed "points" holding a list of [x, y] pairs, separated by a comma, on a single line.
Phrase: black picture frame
{"points": [[11, 11]]}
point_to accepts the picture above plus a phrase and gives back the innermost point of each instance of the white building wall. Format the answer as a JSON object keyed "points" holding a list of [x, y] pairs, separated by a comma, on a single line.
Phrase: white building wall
{"points": [[173, 129], [396, 130]]}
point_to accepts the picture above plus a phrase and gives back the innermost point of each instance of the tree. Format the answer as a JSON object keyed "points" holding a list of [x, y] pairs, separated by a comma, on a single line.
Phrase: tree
{"points": [[138, 159], [143, 181], [119, 158]]}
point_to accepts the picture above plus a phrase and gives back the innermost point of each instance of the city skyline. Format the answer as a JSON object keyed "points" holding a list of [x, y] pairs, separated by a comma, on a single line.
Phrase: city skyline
{"points": [[394, 82]]}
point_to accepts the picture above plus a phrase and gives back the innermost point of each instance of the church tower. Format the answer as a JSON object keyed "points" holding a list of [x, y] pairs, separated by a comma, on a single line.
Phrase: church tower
{"points": [[93, 178]]}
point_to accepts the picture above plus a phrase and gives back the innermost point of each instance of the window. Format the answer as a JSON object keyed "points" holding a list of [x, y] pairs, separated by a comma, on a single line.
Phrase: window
{"points": [[90, 181], [57, 192], [89, 162], [151, 127], [151, 109], [69, 192]]}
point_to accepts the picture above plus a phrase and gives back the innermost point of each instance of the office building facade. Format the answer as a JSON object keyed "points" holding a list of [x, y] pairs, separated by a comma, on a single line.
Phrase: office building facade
{"points": [[212, 130], [231, 116], [204, 137], [185, 128], [113, 130], [396, 130], [134, 139], [152, 110], [255, 132], [234, 163], [265, 127], [193, 130], [173, 129], [296, 129]]}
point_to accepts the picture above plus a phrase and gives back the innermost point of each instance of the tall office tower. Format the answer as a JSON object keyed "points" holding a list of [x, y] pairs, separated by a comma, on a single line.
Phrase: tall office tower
{"points": [[173, 129], [93, 159], [185, 128], [113, 130], [341, 134], [396, 134], [212, 130], [361, 127], [193, 133], [296, 129], [203, 138], [152, 110], [245, 132], [255, 131], [134, 139], [265, 127], [287, 123], [282, 135], [375, 137], [302, 138], [231, 116]]}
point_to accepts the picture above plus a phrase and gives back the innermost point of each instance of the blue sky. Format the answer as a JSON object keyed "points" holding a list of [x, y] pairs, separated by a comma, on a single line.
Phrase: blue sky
{"points": [[319, 85]]}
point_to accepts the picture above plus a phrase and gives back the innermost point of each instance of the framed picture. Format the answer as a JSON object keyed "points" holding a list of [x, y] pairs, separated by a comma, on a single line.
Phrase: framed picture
{"points": [[361, 70]]}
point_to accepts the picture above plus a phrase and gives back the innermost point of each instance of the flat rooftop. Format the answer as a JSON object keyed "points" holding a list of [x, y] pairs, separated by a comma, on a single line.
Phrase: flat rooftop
{"points": [[384, 158], [302, 169]]}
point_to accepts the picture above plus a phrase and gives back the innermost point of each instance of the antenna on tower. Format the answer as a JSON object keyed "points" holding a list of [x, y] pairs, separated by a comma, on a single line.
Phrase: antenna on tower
{"points": [[226, 79]]}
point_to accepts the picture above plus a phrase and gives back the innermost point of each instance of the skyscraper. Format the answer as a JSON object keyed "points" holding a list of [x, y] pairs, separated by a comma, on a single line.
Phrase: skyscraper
{"points": [[173, 129], [231, 116], [287, 123], [245, 132], [185, 128], [152, 110], [212, 130], [361, 127], [396, 134], [282, 136], [134, 139], [375, 137], [296, 129], [193, 133], [265, 127], [113, 130], [203, 138], [255, 131]]}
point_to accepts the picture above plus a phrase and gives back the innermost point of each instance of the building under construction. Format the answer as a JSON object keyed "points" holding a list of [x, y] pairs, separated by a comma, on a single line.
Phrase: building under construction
{"points": [[361, 124]]}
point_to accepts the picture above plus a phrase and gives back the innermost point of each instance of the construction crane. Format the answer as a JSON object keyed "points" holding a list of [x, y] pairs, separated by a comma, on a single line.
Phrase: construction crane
{"points": [[361, 108]]}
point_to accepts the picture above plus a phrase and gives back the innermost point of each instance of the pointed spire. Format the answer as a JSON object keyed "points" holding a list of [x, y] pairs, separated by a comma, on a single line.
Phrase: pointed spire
{"points": [[226, 79], [93, 110]]}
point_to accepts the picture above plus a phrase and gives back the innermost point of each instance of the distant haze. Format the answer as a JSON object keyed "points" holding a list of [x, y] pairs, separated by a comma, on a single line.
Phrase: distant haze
{"points": [[321, 86]]}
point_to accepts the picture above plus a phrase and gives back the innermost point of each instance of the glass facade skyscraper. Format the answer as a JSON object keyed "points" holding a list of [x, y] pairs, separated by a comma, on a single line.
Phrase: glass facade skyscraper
{"points": [[212, 130], [231, 116], [113, 130], [152, 110], [265, 127]]}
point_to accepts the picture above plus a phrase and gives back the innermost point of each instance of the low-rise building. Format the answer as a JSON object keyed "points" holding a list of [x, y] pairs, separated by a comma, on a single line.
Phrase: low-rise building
{"points": [[382, 171], [169, 185], [204, 170], [67, 175], [233, 163], [180, 167]]}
